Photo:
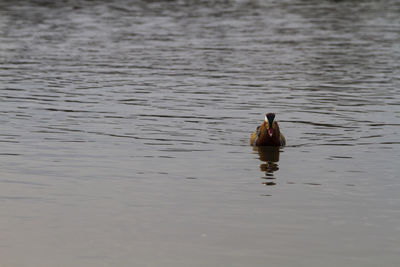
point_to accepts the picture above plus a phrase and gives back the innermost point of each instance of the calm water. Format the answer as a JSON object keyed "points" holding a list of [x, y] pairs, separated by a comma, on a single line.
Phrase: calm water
{"points": [[124, 132]]}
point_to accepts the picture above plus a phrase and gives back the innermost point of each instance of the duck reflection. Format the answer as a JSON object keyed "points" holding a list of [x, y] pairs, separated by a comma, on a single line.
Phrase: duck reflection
{"points": [[269, 155]]}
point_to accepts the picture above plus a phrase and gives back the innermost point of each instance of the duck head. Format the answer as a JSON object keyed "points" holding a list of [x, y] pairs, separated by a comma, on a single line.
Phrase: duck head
{"points": [[271, 124]]}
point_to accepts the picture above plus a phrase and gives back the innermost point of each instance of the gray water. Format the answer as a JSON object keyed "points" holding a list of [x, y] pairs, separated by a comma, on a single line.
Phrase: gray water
{"points": [[124, 133]]}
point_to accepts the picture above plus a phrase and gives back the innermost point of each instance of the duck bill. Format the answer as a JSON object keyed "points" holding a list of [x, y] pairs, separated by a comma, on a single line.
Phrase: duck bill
{"points": [[270, 132]]}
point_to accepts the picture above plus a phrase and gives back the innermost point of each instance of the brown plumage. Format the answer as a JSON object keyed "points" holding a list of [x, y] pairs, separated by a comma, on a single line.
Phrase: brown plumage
{"points": [[268, 133]]}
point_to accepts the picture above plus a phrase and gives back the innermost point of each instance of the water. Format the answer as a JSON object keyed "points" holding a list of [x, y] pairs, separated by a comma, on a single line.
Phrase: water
{"points": [[125, 128]]}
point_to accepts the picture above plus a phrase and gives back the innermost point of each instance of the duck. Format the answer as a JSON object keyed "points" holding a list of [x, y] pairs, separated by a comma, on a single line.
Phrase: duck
{"points": [[268, 133]]}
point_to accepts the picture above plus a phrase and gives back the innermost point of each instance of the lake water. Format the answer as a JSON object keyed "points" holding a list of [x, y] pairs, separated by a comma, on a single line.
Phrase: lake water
{"points": [[125, 125]]}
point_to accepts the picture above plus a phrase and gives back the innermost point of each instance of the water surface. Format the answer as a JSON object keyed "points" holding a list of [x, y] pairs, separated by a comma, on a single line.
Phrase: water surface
{"points": [[125, 128]]}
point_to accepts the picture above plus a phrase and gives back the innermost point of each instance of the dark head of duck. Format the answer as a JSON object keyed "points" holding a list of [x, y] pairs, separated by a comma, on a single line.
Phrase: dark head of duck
{"points": [[268, 133]]}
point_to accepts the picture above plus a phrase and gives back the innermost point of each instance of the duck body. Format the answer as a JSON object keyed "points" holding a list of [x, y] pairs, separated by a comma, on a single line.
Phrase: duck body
{"points": [[268, 133]]}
